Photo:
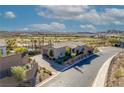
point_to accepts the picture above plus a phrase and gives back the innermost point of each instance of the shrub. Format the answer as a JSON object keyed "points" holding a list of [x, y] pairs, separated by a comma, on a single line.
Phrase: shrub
{"points": [[29, 58], [18, 72], [34, 52], [8, 52], [118, 73], [40, 78], [43, 68], [73, 54], [48, 72], [20, 50], [113, 40], [51, 53], [95, 50], [27, 66], [68, 51]]}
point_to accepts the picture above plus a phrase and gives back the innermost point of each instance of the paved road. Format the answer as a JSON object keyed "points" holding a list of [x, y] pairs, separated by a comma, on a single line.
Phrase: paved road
{"points": [[73, 77]]}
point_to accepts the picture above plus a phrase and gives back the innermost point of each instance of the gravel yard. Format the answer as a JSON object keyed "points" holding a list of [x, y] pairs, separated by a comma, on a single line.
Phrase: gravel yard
{"points": [[116, 72]]}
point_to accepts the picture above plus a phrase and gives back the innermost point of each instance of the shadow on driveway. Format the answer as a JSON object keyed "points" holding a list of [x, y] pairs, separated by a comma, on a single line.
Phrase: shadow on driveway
{"points": [[84, 62], [59, 67]]}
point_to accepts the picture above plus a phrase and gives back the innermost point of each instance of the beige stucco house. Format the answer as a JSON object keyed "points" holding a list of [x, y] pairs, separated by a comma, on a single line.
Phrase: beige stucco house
{"points": [[59, 49]]}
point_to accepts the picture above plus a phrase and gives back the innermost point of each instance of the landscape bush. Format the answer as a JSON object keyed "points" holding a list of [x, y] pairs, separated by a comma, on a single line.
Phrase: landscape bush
{"points": [[118, 73], [95, 50], [18, 72], [48, 72], [68, 51], [34, 52]]}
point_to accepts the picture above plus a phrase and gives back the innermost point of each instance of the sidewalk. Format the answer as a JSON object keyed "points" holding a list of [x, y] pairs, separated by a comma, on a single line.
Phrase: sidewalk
{"points": [[101, 76]]}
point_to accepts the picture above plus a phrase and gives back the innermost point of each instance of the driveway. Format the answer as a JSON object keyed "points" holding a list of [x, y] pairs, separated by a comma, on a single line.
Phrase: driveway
{"points": [[90, 67]]}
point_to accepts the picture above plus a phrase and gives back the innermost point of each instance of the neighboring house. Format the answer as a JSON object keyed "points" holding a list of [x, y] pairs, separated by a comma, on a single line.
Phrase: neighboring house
{"points": [[58, 50], [2, 49]]}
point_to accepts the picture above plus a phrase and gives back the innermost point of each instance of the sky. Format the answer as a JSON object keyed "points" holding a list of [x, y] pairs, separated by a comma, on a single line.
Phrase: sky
{"points": [[61, 18]]}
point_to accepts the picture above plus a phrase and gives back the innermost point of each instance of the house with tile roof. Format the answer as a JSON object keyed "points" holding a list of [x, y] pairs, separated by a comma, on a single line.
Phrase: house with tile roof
{"points": [[58, 50]]}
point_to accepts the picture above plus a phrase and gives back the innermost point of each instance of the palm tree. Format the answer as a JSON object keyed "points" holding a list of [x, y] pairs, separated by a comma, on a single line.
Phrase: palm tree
{"points": [[40, 43], [55, 38], [35, 44], [43, 39], [32, 43]]}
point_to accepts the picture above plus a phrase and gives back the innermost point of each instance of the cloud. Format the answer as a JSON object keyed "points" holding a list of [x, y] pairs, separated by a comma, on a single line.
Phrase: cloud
{"points": [[88, 28], [85, 14], [62, 11], [9, 14], [54, 26], [23, 29], [49, 27]]}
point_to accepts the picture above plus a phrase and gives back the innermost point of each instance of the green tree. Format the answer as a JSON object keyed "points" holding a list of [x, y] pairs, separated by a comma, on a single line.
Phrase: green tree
{"points": [[113, 40], [18, 72], [35, 44], [51, 54], [68, 51]]}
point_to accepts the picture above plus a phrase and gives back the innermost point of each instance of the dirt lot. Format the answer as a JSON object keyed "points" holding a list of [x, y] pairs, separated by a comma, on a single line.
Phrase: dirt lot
{"points": [[115, 76]]}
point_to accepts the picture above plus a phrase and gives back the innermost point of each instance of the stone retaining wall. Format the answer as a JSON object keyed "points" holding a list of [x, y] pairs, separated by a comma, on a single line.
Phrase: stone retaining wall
{"points": [[30, 74]]}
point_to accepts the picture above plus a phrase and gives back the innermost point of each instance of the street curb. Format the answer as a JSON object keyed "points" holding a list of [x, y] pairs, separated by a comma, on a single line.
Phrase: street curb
{"points": [[45, 81], [101, 76]]}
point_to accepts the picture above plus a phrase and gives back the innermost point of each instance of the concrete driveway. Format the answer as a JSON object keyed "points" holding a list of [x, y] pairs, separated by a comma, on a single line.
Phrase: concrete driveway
{"points": [[52, 66]]}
